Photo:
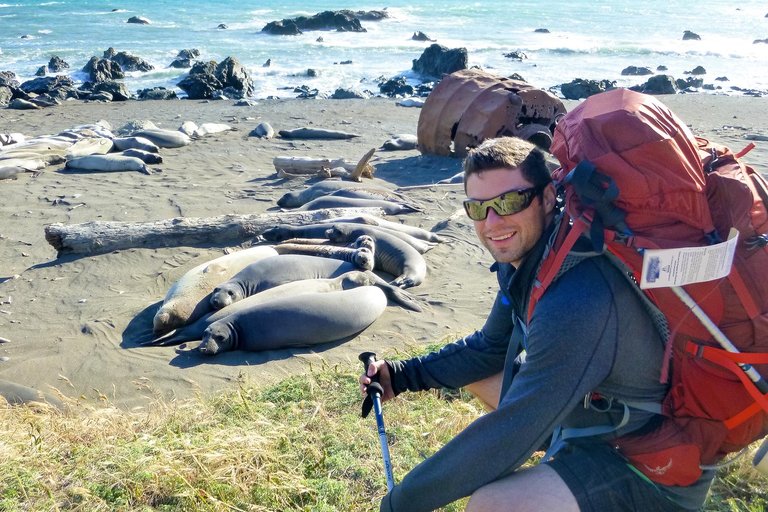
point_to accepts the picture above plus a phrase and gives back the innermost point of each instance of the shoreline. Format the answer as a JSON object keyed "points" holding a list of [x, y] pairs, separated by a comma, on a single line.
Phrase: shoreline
{"points": [[73, 322]]}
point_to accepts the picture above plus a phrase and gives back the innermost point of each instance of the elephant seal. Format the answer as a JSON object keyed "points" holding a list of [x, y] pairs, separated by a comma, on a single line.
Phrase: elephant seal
{"points": [[361, 257], [400, 143], [274, 271], [315, 133], [187, 299], [300, 321], [144, 156], [164, 138], [416, 232], [393, 255], [194, 331], [90, 146], [107, 163], [16, 394], [297, 198], [142, 143], [389, 207]]}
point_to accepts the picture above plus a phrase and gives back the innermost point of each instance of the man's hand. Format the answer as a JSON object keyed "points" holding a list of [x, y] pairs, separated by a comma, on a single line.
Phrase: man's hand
{"points": [[381, 370]]}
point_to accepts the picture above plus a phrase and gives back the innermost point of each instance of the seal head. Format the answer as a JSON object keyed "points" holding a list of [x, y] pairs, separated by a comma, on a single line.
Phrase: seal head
{"points": [[218, 337]]}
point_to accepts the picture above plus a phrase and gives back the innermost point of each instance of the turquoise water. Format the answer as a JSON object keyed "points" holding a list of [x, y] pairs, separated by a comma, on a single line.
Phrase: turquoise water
{"points": [[587, 39]]}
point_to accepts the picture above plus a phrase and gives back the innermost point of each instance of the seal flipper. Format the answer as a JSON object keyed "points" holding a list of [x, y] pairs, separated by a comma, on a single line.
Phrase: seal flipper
{"points": [[396, 294], [174, 337]]}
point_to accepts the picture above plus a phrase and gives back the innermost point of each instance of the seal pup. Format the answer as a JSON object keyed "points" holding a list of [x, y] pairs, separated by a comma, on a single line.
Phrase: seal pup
{"points": [[107, 163], [300, 321], [393, 255], [144, 156], [401, 142], [361, 257], [293, 199], [315, 133], [187, 299], [389, 207], [274, 271], [142, 143], [194, 330], [164, 138]]}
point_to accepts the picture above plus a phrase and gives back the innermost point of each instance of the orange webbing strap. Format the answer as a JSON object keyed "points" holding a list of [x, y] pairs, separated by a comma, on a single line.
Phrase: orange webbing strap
{"points": [[554, 260], [749, 147], [742, 292], [729, 360]]}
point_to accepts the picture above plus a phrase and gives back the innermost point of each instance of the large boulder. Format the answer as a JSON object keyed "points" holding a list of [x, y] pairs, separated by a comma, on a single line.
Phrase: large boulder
{"points": [[437, 60], [127, 61], [199, 86], [47, 84], [691, 36], [658, 84], [6, 95], [8, 79], [396, 86], [57, 64], [102, 70], [117, 90], [157, 93], [636, 71], [581, 88], [341, 21], [233, 74], [139, 20]]}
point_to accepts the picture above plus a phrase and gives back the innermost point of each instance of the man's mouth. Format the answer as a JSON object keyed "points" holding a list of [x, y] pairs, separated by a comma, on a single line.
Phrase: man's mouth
{"points": [[501, 237]]}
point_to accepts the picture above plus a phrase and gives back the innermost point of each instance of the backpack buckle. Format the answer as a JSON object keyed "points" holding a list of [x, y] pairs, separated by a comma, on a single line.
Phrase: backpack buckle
{"points": [[597, 402]]}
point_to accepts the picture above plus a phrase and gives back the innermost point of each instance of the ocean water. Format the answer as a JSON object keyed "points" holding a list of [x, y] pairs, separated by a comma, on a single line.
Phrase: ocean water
{"points": [[592, 39]]}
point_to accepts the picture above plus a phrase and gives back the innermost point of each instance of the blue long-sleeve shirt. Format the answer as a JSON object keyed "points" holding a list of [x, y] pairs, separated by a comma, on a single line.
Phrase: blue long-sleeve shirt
{"points": [[589, 332]]}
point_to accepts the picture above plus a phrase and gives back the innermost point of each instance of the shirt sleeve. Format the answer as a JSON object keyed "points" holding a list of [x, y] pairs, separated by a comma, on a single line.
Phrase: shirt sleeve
{"points": [[472, 358], [570, 349]]}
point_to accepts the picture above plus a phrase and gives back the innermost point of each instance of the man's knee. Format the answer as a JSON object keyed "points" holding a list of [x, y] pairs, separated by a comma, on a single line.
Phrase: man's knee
{"points": [[538, 489], [487, 390]]}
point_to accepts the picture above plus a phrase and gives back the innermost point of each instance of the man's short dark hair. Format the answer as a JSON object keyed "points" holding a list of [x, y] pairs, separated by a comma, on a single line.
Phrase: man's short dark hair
{"points": [[509, 153]]}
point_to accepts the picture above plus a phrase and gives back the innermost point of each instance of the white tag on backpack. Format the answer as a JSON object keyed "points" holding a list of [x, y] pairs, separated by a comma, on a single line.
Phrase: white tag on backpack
{"points": [[686, 265]]}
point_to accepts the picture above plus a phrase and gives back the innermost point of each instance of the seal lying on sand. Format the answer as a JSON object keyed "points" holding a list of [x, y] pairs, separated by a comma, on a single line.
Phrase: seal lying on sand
{"points": [[300, 321], [361, 257], [274, 271], [16, 394], [187, 299], [391, 208], [107, 163], [393, 255], [297, 198], [194, 331]]}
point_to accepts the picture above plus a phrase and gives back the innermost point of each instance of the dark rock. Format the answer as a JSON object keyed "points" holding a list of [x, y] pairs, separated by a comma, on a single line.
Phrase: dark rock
{"points": [[118, 90], [306, 92], [517, 55], [8, 79], [396, 86], [437, 60], [188, 53], [40, 71], [346, 94], [698, 70], [756, 41], [222, 26], [203, 68], [709, 87], [109, 53], [636, 71], [57, 64], [140, 20], [517, 76], [199, 86], [100, 70], [6, 95], [45, 85], [100, 96], [374, 15], [421, 36], [542, 30], [130, 62], [722, 79], [312, 73], [341, 21], [157, 93], [344, 62], [282, 28], [659, 84], [233, 74], [688, 36], [267, 63], [320, 40], [689, 83], [181, 63], [581, 88], [661, 68]]}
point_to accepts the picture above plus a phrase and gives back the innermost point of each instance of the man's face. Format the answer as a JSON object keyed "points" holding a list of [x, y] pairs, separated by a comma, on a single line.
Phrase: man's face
{"points": [[509, 238]]}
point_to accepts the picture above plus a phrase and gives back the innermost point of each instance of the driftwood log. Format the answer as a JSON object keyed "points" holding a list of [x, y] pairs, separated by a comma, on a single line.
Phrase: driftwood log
{"points": [[100, 237]]}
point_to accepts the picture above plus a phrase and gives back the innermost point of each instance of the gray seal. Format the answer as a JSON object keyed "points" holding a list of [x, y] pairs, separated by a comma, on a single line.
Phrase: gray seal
{"points": [[296, 198], [301, 321], [393, 255], [391, 208], [274, 271], [144, 156]]}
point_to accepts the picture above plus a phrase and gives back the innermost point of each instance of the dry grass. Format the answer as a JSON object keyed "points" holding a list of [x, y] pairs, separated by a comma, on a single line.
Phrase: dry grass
{"points": [[296, 446]]}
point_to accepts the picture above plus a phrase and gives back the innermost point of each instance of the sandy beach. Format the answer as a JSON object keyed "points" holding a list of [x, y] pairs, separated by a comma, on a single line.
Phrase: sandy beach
{"points": [[74, 323]]}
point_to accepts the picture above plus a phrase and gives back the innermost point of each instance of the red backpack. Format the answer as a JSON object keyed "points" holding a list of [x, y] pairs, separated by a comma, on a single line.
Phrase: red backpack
{"points": [[636, 178]]}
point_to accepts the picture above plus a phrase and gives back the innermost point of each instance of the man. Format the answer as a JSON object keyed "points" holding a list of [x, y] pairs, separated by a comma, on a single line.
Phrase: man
{"points": [[589, 345]]}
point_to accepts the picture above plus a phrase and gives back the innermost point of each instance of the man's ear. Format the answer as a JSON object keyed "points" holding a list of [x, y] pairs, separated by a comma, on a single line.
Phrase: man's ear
{"points": [[549, 197]]}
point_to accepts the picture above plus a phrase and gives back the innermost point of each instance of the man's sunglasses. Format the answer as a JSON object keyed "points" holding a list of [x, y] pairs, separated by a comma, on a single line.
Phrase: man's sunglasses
{"points": [[508, 203]]}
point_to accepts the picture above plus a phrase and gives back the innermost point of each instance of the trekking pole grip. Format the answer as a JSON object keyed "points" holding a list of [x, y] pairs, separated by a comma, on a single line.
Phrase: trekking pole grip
{"points": [[368, 358], [374, 391]]}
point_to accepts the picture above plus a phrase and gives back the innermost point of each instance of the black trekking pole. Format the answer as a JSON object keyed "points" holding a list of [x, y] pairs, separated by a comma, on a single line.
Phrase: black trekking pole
{"points": [[375, 392]]}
